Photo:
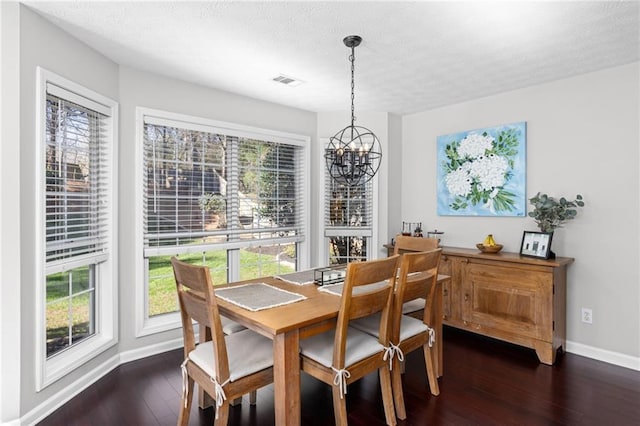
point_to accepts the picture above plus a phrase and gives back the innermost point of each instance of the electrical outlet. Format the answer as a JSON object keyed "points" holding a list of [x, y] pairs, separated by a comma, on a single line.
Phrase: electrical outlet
{"points": [[587, 316]]}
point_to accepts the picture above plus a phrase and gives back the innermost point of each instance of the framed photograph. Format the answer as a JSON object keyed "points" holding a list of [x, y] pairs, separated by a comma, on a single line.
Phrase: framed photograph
{"points": [[536, 244]]}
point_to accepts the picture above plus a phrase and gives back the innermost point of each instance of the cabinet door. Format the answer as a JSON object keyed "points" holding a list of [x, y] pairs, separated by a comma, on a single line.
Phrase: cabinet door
{"points": [[508, 299]]}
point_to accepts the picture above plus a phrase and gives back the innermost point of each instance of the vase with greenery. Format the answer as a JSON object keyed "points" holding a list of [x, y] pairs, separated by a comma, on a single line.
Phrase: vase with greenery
{"points": [[551, 213]]}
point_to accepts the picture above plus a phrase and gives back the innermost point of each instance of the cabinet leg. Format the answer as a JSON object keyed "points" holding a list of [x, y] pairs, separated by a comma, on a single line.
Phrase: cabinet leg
{"points": [[546, 353]]}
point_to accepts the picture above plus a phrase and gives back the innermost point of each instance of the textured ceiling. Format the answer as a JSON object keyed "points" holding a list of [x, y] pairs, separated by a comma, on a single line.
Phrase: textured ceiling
{"points": [[415, 55]]}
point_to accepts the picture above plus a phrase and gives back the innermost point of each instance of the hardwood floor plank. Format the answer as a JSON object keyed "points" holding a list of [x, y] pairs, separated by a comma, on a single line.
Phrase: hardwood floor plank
{"points": [[485, 382]]}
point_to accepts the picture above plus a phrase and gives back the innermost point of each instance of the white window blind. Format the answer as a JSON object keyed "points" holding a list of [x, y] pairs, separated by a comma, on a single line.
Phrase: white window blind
{"points": [[206, 186], [348, 209], [76, 161], [348, 220]]}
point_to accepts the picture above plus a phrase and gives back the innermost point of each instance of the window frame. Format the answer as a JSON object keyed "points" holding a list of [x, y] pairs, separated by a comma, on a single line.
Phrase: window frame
{"points": [[144, 324], [49, 370], [324, 231]]}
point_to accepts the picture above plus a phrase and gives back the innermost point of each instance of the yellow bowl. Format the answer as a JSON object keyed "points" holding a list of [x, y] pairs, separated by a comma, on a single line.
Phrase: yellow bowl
{"points": [[489, 249]]}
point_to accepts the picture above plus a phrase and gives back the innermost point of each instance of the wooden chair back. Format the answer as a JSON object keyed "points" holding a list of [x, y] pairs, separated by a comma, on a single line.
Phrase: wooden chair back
{"points": [[198, 303], [417, 279], [356, 303], [404, 244]]}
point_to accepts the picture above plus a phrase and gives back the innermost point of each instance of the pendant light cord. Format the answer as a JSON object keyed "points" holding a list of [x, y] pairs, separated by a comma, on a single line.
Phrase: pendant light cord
{"points": [[352, 58]]}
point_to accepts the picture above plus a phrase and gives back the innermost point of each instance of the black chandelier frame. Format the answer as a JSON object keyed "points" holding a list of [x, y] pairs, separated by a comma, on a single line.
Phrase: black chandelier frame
{"points": [[353, 154]]}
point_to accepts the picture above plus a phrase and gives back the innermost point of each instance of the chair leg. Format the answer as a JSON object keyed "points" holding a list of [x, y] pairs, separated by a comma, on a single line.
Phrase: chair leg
{"points": [[253, 396], [432, 375], [398, 394], [183, 418], [339, 406], [387, 395], [222, 415]]}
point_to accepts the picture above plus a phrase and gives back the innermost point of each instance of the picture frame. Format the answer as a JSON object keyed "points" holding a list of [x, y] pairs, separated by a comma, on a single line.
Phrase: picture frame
{"points": [[536, 244]]}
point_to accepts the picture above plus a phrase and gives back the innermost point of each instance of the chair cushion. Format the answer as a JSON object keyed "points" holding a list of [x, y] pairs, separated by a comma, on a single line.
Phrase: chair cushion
{"points": [[248, 353], [230, 326], [369, 324], [409, 326], [413, 305], [359, 346]]}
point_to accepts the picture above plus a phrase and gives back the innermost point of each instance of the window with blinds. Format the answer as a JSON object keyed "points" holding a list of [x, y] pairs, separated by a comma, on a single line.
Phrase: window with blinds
{"points": [[348, 220], [204, 189], [77, 213], [229, 198], [76, 174]]}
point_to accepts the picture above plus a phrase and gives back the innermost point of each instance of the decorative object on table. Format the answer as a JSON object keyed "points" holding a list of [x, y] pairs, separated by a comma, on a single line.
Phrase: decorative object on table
{"points": [[417, 231], [551, 213], [435, 234], [537, 244], [354, 153], [409, 228], [482, 172], [489, 245], [330, 274]]}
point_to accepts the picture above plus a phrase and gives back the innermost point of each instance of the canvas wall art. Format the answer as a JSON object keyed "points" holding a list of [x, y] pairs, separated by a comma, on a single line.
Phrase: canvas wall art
{"points": [[482, 172]]}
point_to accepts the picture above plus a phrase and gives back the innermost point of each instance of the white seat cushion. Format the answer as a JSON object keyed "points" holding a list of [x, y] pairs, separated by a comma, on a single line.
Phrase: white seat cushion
{"points": [[248, 353], [413, 305], [230, 326], [369, 324], [359, 346], [409, 326]]}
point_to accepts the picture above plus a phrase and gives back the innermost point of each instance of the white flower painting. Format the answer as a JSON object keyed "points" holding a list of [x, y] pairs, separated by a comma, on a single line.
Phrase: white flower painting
{"points": [[482, 172]]}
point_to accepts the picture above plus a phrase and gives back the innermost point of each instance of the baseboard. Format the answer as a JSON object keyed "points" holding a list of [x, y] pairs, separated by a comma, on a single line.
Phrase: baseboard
{"points": [[604, 355], [158, 348], [64, 395]]}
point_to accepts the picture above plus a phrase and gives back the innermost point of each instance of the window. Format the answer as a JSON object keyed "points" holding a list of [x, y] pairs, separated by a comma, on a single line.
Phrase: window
{"points": [[76, 234], [216, 194], [348, 220]]}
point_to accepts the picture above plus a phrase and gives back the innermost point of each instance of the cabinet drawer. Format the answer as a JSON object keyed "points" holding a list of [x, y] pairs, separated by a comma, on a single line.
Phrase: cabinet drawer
{"points": [[510, 299]]}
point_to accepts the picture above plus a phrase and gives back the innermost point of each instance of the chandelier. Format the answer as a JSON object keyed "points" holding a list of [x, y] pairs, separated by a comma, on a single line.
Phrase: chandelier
{"points": [[353, 155]]}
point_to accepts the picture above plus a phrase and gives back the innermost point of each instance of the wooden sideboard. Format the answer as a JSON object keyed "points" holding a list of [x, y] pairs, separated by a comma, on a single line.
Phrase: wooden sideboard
{"points": [[506, 296]]}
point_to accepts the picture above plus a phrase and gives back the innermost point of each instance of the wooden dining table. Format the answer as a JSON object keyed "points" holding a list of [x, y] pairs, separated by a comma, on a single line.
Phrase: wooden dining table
{"points": [[286, 325]]}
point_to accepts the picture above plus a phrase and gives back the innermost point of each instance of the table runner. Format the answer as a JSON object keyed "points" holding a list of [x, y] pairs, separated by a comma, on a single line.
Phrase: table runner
{"points": [[258, 296], [298, 278]]}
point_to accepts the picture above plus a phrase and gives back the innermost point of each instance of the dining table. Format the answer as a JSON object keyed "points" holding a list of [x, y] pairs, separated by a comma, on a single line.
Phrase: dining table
{"points": [[287, 324]]}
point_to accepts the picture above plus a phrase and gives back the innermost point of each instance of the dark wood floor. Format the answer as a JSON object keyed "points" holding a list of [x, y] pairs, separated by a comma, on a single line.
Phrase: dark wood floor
{"points": [[486, 382]]}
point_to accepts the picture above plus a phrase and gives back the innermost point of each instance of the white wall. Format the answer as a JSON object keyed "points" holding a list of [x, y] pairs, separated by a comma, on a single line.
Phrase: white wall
{"points": [[9, 215], [394, 154], [582, 137]]}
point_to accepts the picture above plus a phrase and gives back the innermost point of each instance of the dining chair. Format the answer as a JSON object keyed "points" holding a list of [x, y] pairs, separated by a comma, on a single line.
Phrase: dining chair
{"points": [[342, 356], [227, 366], [407, 244], [417, 279]]}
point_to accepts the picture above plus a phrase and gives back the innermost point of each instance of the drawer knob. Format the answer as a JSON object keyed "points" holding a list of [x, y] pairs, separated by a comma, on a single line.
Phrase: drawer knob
{"points": [[466, 297]]}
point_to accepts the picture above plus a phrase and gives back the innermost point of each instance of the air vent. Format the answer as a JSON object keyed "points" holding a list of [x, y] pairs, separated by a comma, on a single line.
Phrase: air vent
{"points": [[288, 81]]}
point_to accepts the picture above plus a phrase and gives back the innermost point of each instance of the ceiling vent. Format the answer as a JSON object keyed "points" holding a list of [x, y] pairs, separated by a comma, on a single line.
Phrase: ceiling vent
{"points": [[288, 81]]}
